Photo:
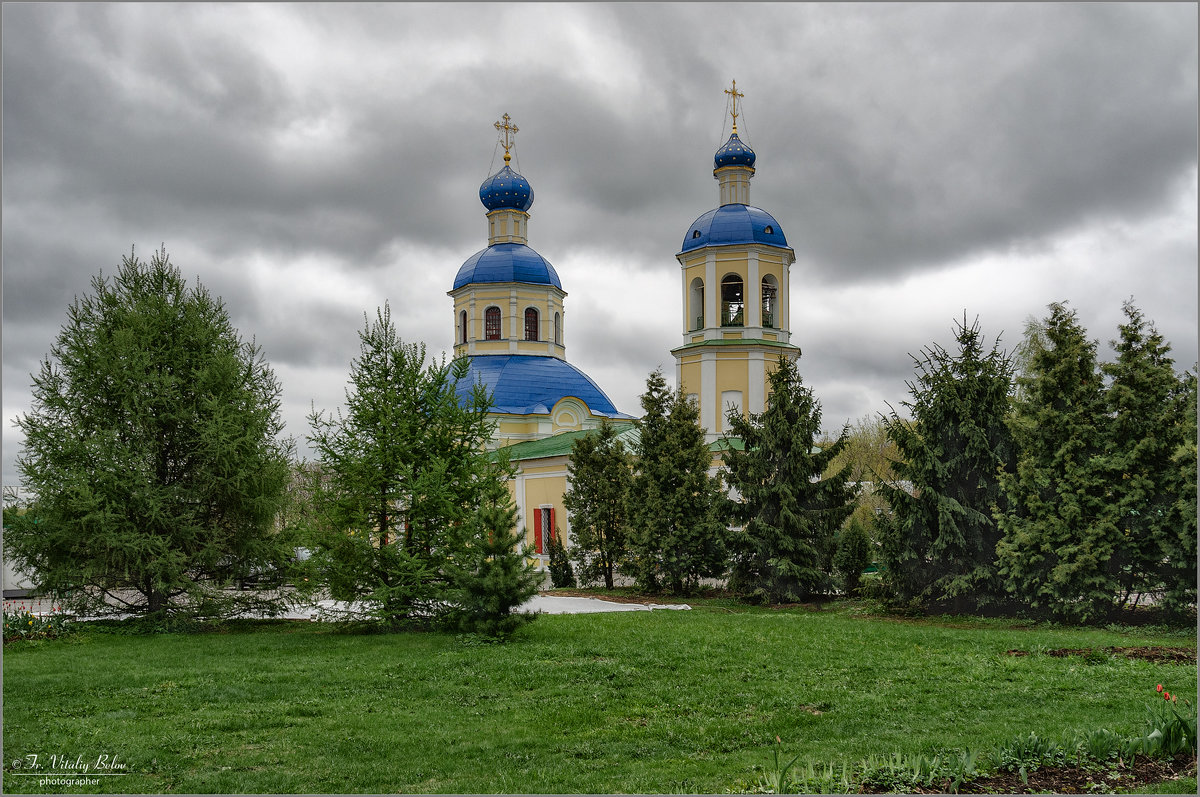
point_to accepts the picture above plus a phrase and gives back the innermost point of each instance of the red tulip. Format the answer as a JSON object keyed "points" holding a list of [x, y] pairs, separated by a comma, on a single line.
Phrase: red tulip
{"points": [[1160, 687]]}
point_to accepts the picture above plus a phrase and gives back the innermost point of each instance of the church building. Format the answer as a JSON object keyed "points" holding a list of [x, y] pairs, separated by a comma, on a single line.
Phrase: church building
{"points": [[735, 265], [509, 316]]}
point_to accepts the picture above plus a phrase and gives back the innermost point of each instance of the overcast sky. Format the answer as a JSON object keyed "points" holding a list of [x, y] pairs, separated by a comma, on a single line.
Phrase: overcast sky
{"points": [[310, 162]]}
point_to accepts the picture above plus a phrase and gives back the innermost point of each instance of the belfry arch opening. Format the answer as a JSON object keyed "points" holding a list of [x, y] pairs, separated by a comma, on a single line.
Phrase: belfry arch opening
{"points": [[770, 302], [696, 304], [733, 301]]}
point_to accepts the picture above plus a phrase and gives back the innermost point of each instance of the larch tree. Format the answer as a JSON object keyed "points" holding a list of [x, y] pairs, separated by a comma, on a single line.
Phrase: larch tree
{"points": [[397, 477], [153, 453], [787, 508]]}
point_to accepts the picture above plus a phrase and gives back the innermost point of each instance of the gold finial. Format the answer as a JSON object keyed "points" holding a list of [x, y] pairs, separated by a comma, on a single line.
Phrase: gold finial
{"points": [[734, 95], [509, 132]]}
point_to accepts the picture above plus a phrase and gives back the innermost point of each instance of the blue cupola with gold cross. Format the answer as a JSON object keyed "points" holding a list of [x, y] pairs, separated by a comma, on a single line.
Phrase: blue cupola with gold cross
{"points": [[735, 264], [508, 321]]}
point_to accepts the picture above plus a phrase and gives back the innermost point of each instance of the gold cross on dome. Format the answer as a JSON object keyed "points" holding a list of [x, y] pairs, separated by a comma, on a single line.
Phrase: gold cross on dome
{"points": [[509, 132], [734, 95]]}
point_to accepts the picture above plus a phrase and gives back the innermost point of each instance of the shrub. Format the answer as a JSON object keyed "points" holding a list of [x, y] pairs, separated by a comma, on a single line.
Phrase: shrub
{"points": [[853, 555], [561, 572]]}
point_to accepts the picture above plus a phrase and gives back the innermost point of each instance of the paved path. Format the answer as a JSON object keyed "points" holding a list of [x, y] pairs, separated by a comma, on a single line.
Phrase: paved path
{"points": [[542, 604]]}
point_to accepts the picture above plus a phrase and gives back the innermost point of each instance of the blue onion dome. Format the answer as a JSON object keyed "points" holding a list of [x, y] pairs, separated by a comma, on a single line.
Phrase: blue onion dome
{"points": [[507, 262], [527, 384], [506, 189], [734, 224], [734, 153]]}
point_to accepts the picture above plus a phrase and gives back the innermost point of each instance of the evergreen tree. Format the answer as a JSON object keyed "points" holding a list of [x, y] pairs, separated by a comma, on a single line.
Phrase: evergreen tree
{"points": [[853, 555], [939, 542], [1143, 435], [1179, 570], [677, 537], [1059, 539], [599, 475], [788, 511], [399, 474], [153, 452], [561, 573], [494, 577]]}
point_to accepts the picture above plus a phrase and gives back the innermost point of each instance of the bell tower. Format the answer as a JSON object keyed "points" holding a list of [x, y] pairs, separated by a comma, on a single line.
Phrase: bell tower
{"points": [[735, 272]]}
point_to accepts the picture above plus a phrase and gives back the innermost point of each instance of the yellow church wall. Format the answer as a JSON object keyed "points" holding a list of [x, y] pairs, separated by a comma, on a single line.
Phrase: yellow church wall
{"points": [[732, 375], [513, 300], [542, 483]]}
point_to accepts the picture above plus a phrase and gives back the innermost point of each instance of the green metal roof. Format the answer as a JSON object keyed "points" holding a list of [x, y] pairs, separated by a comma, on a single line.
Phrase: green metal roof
{"points": [[560, 445]]}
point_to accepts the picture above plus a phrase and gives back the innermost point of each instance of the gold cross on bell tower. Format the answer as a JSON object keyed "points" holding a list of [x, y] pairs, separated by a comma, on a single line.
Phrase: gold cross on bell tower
{"points": [[734, 95], [509, 132]]}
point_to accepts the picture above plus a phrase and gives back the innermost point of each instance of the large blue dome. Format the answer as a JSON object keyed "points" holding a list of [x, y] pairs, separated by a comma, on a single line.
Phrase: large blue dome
{"points": [[526, 384], [507, 262], [734, 152], [506, 189], [734, 224]]}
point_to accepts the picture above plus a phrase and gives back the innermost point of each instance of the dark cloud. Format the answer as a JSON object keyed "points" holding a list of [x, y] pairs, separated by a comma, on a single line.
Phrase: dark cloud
{"points": [[326, 158]]}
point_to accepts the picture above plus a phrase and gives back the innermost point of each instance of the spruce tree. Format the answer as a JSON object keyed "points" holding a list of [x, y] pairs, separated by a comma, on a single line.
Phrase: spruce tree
{"points": [[939, 541], [787, 511], [1059, 543], [1179, 566], [1144, 432], [153, 453], [599, 475], [676, 536]]}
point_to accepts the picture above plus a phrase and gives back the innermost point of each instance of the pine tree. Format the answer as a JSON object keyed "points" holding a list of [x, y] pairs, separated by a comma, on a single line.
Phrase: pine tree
{"points": [[789, 513], [398, 475], [1059, 539], [153, 451], [677, 537], [1143, 435], [939, 542], [494, 578], [599, 475]]}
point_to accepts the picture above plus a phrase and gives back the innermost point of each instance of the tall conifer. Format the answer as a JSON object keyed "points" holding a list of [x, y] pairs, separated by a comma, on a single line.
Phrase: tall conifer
{"points": [[1059, 539], [1144, 432], [789, 514], [677, 537], [939, 544], [599, 474]]}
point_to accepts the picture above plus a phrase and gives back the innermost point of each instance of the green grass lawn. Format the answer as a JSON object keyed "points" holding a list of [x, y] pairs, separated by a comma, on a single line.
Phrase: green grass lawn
{"points": [[663, 701]]}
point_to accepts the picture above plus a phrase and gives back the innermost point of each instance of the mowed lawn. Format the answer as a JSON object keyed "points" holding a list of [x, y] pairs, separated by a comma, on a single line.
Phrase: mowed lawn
{"points": [[664, 701]]}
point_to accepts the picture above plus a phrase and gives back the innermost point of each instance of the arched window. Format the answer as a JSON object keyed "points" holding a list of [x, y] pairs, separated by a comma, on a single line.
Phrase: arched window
{"points": [[696, 305], [462, 327], [491, 323], [531, 323], [558, 329], [770, 292], [733, 302]]}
